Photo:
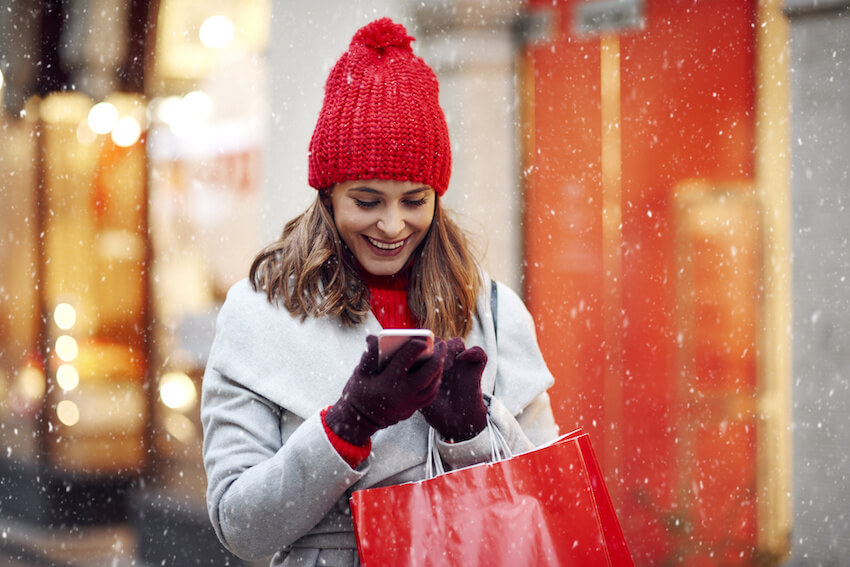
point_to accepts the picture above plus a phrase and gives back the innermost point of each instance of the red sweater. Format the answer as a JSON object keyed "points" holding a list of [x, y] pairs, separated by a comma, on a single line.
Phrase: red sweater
{"points": [[388, 300]]}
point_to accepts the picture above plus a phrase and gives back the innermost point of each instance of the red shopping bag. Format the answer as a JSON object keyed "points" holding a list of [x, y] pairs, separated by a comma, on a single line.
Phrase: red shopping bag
{"points": [[547, 507]]}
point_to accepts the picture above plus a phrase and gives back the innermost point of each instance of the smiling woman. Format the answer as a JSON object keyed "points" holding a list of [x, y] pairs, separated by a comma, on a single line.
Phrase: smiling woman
{"points": [[289, 413]]}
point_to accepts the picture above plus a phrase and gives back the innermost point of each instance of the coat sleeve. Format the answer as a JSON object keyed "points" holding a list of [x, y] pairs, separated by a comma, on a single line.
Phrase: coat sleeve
{"points": [[264, 492], [519, 405]]}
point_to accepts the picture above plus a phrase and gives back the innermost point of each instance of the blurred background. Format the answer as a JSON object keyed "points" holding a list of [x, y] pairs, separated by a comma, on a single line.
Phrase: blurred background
{"points": [[665, 182]]}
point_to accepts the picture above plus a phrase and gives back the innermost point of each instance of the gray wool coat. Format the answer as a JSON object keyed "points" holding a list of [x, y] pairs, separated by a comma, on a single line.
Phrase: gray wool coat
{"points": [[276, 486]]}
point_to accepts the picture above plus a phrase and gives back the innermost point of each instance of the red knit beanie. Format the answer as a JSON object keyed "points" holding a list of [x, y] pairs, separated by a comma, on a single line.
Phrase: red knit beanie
{"points": [[381, 116]]}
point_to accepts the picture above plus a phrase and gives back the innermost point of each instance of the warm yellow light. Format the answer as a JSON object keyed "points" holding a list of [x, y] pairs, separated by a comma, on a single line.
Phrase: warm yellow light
{"points": [[31, 384], [165, 109], [187, 114], [180, 427], [1, 80], [126, 132], [68, 412], [67, 377], [216, 32], [177, 391], [65, 108], [85, 135], [196, 106], [66, 348], [65, 316], [103, 117]]}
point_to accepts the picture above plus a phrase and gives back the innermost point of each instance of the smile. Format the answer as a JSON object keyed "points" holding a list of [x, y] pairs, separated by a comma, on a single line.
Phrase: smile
{"points": [[386, 245]]}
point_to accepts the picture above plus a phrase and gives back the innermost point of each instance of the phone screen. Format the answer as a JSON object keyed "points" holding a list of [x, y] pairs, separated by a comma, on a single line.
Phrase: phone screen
{"points": [[390, 340]]}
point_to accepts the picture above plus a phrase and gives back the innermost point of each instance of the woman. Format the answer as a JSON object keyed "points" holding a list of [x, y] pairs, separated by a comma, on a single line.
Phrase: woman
{"points": [[293, 423]]}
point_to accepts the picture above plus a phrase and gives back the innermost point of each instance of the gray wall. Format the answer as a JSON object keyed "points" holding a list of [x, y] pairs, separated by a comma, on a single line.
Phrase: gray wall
{"points": [[820, 92]]}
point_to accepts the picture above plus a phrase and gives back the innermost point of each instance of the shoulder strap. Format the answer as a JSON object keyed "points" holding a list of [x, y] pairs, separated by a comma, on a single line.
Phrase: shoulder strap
{"points": [[494, 307], [494, 310]]}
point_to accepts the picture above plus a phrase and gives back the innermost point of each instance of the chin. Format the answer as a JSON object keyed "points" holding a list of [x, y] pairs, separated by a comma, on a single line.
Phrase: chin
{"points": [[384, 268]]}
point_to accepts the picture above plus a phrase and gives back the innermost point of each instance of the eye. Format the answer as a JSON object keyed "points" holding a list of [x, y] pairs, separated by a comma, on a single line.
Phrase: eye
{"points": [[417, 202], [365, 204]]}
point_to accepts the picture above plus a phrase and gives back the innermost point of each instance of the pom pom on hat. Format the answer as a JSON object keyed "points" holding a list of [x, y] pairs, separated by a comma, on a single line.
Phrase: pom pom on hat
{"points": [[381, 34], [381, 116]]}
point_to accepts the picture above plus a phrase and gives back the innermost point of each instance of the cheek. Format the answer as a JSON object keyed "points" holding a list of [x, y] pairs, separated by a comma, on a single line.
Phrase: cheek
{"points": [[423, 221], [344, 230], [349, 224]]}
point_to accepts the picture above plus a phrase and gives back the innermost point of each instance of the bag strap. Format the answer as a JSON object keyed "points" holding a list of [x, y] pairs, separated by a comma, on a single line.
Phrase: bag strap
{"points": [[499, 450], [494, 311], [494, 307]]}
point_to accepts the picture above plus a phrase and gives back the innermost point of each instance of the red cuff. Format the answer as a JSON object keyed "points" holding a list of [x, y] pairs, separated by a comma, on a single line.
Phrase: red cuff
{"points": [[350, 453]]}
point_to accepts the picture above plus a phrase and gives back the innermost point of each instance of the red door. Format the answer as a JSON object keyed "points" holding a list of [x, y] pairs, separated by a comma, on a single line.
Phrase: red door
{"points": [[642, 251]]}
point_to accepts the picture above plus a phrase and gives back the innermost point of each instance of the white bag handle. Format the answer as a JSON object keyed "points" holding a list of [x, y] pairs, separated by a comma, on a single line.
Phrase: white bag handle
{"points": [[499, 450]]}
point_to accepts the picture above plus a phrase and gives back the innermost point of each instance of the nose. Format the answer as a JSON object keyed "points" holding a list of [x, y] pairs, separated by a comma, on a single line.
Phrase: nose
{"points": [[391, 222]]}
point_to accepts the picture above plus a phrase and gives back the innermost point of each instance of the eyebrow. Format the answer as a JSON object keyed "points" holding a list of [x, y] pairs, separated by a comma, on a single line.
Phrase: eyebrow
{"points": [[367, 189]]}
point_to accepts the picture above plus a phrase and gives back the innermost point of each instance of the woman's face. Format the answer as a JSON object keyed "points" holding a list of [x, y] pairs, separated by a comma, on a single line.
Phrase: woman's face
{"points": [[382, 222]]}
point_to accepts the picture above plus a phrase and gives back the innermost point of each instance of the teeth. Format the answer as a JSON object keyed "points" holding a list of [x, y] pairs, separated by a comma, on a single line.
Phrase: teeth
{"points": [[384, 245]]}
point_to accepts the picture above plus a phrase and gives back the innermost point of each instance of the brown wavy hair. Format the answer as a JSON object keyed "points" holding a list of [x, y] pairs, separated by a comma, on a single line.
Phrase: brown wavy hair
{"points": [[311, 272]]}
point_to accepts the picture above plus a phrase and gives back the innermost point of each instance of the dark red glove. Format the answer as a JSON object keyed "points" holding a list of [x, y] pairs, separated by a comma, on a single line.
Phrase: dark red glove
{"points": [[458, 412], [376, 398]]}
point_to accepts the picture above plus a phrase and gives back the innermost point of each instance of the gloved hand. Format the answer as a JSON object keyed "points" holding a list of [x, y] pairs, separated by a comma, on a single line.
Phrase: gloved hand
{"points": [[375, 398], [458, 412]]}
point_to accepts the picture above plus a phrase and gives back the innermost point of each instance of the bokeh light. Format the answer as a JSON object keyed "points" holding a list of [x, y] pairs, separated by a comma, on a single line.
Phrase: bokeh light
{"points": [[31, 384], [65, 316], [216, 32], [103, 117], [66, 348], [126, 132], [68, 412], [67, 377], [180, 427], [177, 391]]}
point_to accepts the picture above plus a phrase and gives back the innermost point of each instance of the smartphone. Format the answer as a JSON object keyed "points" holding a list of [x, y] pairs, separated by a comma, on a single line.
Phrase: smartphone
{"points": [[390, 340]]}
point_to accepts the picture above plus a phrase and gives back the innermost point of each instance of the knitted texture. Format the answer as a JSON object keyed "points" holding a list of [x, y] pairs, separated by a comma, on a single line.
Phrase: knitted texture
{"points": [[350, 453], [388, 299], [381, 116]]}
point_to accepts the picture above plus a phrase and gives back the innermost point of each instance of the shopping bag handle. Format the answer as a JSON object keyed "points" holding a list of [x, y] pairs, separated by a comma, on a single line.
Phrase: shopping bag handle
{"points": [[499, 449]]}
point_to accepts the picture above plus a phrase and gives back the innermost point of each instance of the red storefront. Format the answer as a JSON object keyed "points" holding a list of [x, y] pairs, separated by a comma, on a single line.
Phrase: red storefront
{"points": [[651, 251]]}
